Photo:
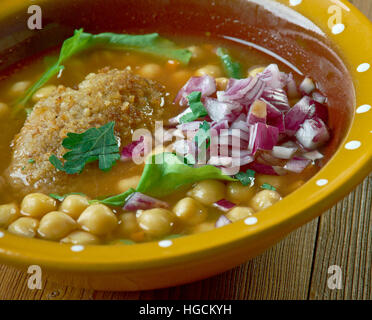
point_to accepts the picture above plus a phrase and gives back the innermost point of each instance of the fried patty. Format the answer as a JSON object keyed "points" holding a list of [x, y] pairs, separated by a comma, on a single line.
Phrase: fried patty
{"points": [[110, 95]]}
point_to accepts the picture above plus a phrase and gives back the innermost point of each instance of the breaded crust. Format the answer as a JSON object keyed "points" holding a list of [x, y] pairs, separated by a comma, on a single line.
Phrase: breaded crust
{"points": [[110, 95]]}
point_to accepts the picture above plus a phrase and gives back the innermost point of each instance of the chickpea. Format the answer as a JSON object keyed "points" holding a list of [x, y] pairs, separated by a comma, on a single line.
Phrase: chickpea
{"points": [[190, 211], [81, 237], [204, 227], [74, 205], [197, 52], [221, 83], [125, 184], [43, 93], [238, 193], [20, 87], [252, 72], [150, 71], [208, 191], [239, 213], [127, 225], [4, 109], [56, 225], [24, 227], [264, 199], [156, 222], [8, 213], [211, 70], [98, 219], [275, 181], [37, 205]]}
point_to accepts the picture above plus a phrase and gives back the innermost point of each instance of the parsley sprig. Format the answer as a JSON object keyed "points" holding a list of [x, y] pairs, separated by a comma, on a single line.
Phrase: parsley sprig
{"points": [[246, 178], [196, 106], [268, 187], [92, 145]]}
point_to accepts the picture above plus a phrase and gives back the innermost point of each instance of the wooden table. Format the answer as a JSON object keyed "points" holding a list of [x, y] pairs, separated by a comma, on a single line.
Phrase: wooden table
{"points": [[296, 268]]}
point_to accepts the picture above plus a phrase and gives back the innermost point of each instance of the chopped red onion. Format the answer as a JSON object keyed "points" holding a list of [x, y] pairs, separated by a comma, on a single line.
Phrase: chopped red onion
{"points": [[261, 168], [313, 134], [296, 116], [273, 77], [205, 84], [224, 205], [235, 133], [216, 127], [189, 126], [283, 152], [140, 201], [320, 110], [240, 125], [277, 97], [252, 125], [219, 111], [262, 137], [222, 221], [244, 91], [137, 147], [297, 164], [318, 97], [313, 155], [307, 86]]}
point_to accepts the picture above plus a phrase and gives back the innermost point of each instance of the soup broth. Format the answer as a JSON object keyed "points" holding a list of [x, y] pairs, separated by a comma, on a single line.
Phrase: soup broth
{"points": [[97, 184]]}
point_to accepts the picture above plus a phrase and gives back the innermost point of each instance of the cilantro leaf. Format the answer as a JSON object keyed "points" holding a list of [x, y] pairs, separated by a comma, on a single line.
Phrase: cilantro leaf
{"points": [[196, 106], [115, 201], [246, 178], [151, 43], [94, 144], [203, 136], [61, 198], [268, 187], [233, 69]]}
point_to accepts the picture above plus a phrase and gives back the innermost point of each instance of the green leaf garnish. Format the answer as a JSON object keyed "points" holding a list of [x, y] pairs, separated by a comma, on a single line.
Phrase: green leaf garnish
{"points": [[94, 144], [163, 176], [115, 201], [32, 161], [196, 106], [61, 198], [233, 69], [268, 187], [202, 137], [151, 43], [246, 178]]}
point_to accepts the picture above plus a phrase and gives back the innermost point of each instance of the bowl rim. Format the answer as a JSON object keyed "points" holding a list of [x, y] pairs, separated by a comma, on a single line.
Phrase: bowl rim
{"points": [[319, 193]]}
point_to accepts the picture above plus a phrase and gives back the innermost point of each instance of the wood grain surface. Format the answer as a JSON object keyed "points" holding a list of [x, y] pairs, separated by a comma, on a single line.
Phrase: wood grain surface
{"points": [[296, 268]]}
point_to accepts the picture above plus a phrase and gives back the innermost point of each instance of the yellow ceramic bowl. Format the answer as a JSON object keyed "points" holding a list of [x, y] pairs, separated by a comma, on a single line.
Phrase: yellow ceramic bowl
{"points": [[177, 261]]}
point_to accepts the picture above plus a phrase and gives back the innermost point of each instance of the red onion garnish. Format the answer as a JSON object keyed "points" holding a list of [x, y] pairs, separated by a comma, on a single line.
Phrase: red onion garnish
{"points": [[222, 221], [205, 84], [140, 201], [224, 205]]}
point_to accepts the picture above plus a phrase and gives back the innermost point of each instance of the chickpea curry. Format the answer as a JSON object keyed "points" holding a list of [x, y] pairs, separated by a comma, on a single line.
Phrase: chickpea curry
{"points": [[122, 139]]}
